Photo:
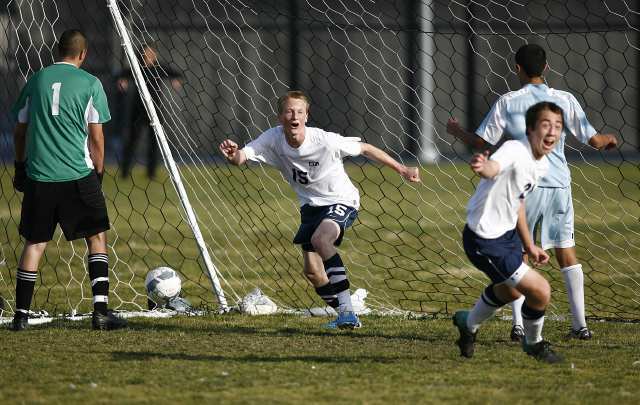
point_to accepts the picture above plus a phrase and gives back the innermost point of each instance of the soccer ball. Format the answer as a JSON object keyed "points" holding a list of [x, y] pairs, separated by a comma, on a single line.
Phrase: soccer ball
{"points": [[162, 284]]}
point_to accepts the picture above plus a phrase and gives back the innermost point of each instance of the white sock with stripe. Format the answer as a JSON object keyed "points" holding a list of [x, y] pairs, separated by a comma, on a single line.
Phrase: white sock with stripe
{"points": [[485, 308], [99, 275], [337, 275]]}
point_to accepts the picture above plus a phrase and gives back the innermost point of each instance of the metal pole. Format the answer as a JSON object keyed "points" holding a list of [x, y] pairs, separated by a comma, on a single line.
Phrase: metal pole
{"points": [[424, 15], [470, 75]]}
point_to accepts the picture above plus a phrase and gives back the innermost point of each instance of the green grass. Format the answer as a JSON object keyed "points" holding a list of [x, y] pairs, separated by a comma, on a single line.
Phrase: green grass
{"points": [[404, 249], [288, 359]]}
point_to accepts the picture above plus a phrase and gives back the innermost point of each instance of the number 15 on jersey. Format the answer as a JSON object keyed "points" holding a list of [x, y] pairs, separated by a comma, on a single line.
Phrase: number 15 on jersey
{"points": [[300, 176]]}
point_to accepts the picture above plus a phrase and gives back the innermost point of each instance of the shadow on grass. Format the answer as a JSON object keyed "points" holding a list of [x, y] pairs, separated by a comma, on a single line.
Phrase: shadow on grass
{"points": [[288, 332], [143, 356], [436, 336]]}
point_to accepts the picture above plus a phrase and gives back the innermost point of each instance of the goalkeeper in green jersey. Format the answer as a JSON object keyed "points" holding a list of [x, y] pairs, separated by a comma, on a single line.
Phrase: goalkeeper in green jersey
{"points": [[59, 147]]}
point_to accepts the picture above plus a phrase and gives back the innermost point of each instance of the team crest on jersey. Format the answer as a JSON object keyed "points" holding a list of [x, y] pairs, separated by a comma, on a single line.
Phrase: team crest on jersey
{"points": [[314, 164]]}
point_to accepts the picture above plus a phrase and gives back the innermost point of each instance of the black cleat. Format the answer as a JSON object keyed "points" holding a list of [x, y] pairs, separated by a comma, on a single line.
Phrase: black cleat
{"points": [[467, 339], [107, 322], [19, 323], [517, 333], [580, 334], [541, 351]]}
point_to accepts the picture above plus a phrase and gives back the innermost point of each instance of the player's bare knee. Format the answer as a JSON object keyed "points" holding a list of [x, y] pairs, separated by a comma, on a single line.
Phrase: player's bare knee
{"points": [[540, 295], [545, 293], [566, 257], [36, 247], [97, 243], [322, 243]]}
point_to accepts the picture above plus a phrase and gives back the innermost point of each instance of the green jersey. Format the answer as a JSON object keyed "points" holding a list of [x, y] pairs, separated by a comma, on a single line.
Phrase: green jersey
{"points": [[58, 103]]}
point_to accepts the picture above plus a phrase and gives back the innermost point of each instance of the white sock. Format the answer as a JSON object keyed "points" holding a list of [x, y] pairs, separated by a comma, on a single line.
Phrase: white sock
{"points": [[574, 281], [344, 301], [532, 321], [516, 311], [533, 330], [484, 309]]}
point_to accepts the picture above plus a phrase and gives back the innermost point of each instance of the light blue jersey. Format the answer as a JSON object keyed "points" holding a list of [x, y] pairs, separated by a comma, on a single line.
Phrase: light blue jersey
{"points": [[508, 116]]}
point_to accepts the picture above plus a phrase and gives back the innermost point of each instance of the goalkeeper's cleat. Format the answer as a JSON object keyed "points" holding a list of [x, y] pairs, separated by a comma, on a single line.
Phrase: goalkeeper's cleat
{"points": [[107, 322], [517, 333], [580, 334], [19, 323], [542, 351], [467, 339]]}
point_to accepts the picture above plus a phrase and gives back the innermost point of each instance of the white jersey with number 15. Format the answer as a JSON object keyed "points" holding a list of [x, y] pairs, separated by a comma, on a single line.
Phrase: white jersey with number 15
{"points": [[315, 169]]}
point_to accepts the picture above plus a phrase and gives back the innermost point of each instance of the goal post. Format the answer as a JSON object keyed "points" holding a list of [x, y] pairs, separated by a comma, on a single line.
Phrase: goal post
{"points": [[167, 156], [356, 60]]}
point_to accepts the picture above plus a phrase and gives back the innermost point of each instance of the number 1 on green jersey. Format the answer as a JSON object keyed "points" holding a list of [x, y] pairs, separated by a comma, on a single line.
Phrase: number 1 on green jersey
{"points": [[55, 102]]}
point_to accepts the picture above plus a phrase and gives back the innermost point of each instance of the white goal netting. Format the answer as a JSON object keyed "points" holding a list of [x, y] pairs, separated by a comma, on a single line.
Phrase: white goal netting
{"points": [[391, 72]]}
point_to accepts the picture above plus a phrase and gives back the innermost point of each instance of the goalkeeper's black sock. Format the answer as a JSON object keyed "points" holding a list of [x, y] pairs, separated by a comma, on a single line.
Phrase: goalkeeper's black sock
{"points": [[328, 294], [25, 283], [99, 275], [338, 278]]}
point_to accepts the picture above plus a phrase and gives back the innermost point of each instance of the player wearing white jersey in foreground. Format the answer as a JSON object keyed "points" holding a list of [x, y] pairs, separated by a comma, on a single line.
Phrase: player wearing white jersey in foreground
{"points": [[311, 161], [495, 218], [549, 207]]}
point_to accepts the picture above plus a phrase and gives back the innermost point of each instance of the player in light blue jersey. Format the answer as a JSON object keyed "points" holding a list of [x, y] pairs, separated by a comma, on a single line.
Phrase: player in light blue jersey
{"points": [[549, 208]]}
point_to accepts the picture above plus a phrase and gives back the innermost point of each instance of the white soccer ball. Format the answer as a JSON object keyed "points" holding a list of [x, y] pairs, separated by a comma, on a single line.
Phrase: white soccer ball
{"points": [[162, 284]]}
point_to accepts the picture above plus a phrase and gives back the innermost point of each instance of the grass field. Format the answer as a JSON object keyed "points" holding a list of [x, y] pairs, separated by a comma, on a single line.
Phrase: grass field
{"points": [[290, 359], [404, 250]]}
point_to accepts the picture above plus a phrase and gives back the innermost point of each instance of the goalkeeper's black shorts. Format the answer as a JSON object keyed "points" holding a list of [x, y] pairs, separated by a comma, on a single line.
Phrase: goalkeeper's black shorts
{"points": [[78, 206]]}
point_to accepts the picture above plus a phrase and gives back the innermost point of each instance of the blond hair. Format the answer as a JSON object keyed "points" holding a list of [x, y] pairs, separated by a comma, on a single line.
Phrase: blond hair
{"points": [[295, 94]]}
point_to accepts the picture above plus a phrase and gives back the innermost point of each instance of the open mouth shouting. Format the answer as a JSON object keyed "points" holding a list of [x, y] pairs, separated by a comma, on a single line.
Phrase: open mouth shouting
{"points": [[549, 142]]}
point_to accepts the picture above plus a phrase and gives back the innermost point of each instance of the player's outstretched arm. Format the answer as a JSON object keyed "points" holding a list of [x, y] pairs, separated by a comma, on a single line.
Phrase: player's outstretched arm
{"points": [[371, 152], [535, 253], [230, 151], [603, 141], [483, 167], [469, 138]]}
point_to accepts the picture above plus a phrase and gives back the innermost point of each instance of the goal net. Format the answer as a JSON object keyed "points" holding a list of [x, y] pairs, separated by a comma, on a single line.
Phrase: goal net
{"points": [[391, 72]]}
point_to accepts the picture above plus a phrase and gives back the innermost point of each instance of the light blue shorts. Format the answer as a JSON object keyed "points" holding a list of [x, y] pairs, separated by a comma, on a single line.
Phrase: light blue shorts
{"points": [[550, 215]]}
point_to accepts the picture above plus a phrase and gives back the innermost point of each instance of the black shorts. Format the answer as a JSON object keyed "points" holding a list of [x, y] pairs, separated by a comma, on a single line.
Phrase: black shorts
{"points": [[78, 206], [311, 217], [498, 258]]}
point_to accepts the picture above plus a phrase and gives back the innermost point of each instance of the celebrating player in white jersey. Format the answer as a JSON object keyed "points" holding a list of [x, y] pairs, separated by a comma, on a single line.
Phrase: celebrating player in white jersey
{"points": [[311, 161], [549, 208], [495, 218]]}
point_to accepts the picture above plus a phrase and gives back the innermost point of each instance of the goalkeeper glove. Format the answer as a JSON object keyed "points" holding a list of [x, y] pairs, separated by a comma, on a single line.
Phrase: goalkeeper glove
{"points": [[20, 176], [100, 176]]}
